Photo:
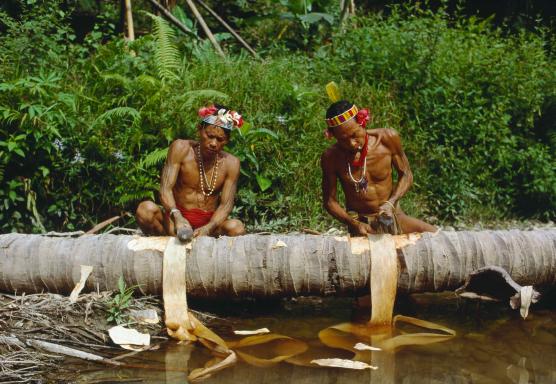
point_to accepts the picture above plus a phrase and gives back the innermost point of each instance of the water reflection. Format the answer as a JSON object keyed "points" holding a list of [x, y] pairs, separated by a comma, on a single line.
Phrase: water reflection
{"points": [[493, 345]]}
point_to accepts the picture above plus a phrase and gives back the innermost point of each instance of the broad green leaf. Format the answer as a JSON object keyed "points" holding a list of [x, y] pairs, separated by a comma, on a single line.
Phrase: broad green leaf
{"points": [[121, 284], [263, 182]]}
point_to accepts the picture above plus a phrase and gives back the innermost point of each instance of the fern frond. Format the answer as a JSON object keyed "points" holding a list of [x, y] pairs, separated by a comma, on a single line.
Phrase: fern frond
{"points": [[147, 81], [9, 115], [189, 98], [119, 113], [116, 78], [136, 196], [155, 157], [8, 21], [166, 54]]}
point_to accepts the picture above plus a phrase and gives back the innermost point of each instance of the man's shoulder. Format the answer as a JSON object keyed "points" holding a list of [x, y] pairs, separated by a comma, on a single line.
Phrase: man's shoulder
{"points": [[388, 137], [330, 151], [330, 154], [230, 159], [179, 150], [181, 145], [383, 132]]}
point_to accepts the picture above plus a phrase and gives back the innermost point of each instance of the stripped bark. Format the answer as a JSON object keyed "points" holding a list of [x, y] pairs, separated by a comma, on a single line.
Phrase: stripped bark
{"points": [[272, 265]]}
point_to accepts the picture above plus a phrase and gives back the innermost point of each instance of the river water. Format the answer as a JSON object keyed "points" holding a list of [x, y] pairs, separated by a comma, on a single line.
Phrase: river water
{"points": [[493, 345]]}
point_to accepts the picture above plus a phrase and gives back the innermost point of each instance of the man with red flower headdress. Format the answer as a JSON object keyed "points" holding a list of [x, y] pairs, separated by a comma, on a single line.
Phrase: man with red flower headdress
{"points": [[363, 161], [198, 183]]}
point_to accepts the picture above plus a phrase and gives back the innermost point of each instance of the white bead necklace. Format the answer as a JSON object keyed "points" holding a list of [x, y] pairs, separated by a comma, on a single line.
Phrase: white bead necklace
{"points": [[361, 184], [202, 174]]}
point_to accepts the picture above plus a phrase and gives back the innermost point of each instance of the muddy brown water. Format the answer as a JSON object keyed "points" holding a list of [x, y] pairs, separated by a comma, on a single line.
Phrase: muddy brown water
{"points": [[493, 345]]}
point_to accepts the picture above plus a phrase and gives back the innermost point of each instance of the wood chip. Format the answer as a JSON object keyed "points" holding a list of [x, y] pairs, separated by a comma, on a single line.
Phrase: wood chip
{"points": [[342, 363], [254, 332], [85, 272], [128, 336], [146, 316], [279, 244], [365, 347]]}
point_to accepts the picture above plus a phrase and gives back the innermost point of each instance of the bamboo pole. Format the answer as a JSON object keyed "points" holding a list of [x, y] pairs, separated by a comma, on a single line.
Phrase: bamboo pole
{"points": [[172, 18], [227, 26], [205, 27], [129, 21]]}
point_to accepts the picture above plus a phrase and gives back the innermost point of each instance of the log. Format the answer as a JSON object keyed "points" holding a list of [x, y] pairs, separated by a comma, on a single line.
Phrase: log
{"points": [[272, 265]]}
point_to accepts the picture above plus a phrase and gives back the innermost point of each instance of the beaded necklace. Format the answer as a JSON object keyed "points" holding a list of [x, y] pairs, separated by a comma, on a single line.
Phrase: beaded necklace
{"points": [[361, 184], [203, 176]]}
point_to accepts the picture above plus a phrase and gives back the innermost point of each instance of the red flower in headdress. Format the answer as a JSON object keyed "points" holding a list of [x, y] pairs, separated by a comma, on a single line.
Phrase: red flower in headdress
{"points": [[363, 117], [207, 111]]}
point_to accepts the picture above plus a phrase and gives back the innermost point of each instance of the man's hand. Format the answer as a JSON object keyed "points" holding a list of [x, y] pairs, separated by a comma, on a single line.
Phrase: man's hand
{"points": [[386, 209], [205, 230], [184, 231], [360, 229]]}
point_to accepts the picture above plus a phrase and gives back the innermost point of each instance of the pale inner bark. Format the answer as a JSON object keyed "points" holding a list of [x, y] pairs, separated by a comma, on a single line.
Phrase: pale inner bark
{"points": [[174, 290], [384, 278]]}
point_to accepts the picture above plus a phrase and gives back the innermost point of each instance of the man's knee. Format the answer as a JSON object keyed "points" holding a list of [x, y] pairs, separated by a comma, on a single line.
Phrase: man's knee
{"points": [[233, 227], [147, 212], [413, 225]]}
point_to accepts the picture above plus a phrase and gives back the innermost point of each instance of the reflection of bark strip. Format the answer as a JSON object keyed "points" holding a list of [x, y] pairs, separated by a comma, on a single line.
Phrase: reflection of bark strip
{"points": [[251, 266]]}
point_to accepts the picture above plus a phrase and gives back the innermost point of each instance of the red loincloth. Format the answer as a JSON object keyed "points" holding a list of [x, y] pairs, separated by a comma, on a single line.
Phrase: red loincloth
{"points": [[197, 217]]}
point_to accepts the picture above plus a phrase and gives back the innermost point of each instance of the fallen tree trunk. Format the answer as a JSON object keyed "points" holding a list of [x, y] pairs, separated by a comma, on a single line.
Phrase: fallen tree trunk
{"points": [[272, 265]]}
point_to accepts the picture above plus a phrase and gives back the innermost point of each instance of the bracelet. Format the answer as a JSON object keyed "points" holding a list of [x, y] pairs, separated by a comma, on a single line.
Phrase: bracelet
{"points": [[391, 204], [174, 210]]}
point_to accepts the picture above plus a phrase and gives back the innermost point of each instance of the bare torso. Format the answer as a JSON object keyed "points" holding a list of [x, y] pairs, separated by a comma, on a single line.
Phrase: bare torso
{"points": [[187, 189], [378, 173], [384, 155], [197, 174]]}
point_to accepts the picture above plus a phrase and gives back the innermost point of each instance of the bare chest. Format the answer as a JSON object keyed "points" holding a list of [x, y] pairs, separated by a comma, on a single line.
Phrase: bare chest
{"points": [[378, 167], [195, 175]]}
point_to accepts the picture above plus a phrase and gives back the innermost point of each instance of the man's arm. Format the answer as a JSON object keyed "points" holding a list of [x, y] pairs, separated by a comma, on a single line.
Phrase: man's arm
{"points": [[227, 197], [329, 195], [391, 139], [176, 153]]}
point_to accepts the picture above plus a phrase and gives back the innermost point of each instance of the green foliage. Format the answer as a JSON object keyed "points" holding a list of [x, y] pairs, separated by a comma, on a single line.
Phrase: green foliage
{"points": [[84, 128], [116, 308], [154, 158], [472, 99], [166, 54]]}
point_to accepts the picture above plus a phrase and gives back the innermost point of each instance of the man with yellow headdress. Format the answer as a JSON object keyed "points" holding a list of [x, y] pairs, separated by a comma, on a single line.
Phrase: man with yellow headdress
{"points": [[363, 161]]}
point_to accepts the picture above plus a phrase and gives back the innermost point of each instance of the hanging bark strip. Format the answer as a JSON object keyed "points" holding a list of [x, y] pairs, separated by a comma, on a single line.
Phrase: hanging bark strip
{"points": [[384, 279], [252, 266], [175, 291]]}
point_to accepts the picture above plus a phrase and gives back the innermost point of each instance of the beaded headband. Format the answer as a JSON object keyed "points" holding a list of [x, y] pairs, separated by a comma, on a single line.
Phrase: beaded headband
{"points": [[343, 117]]}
